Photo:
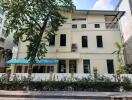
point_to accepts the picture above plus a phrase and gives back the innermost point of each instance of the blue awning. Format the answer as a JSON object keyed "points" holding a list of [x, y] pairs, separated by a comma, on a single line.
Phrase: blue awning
{"points": [[25, 61]]}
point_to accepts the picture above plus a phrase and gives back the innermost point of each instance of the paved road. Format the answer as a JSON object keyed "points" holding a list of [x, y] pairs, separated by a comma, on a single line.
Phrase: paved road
{"points": [[30, 99], [1, 98]]}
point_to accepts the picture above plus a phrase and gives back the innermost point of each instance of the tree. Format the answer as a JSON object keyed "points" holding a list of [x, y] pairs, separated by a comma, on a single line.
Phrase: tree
{"points": [[6, 54], [118, 52], [34, 21]]}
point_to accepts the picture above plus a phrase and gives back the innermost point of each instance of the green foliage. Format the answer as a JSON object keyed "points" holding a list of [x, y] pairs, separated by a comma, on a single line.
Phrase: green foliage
{"points": [[34, 21], [61, 86], [127, 84], [128, 69], [119, 51], [119, 69], [95, 72], [102, 83]]}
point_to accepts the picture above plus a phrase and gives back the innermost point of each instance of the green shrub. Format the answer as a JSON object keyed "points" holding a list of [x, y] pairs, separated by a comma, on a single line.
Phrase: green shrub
{"points": [[101, 84]]}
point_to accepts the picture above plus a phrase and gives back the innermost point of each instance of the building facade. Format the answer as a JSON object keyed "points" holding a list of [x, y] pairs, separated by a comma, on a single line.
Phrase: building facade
{"points": [[85, 41], [126, 27], [2, 29], [2, 37]]}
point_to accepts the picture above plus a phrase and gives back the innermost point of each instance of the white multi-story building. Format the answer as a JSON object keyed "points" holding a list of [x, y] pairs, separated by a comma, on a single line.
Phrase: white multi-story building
{"points": [[2, 36], [2, 30], [85, 41], [126, 27], [5, 42]]}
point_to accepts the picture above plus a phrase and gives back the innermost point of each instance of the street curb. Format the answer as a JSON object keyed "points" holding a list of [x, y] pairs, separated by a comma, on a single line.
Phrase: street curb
{"points": [[65, 94], [57, 96]]}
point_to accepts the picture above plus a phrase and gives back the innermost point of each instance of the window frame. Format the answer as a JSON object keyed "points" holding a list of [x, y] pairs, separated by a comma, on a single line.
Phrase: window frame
{"points": [[74, 26], [1, 11], [96, 25], [82, 25], [78, 19], [108, 67], [84, 42], [62, 41], [86, 65], [99, 42], [62, 66], [1, 20], [74, 70], [52, 42]]}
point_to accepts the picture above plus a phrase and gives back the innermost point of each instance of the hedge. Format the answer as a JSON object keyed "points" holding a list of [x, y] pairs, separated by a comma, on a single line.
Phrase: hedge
{"points": [[66, 86], [100, 83]]}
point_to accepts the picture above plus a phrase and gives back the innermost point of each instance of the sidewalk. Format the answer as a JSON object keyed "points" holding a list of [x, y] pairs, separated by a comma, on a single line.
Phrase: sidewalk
{"points": [[64, 94]]}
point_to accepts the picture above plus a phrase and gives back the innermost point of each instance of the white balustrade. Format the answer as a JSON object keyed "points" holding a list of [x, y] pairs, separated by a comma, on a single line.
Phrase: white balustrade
{"points": [[60, 76]]}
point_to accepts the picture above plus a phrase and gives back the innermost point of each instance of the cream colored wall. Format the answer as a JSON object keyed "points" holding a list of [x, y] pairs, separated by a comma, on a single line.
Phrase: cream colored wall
{"points": [[97, 56], [109, 38], [99, 61]]}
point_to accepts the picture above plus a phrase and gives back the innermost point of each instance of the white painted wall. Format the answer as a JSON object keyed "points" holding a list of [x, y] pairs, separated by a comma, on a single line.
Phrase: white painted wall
{"points": [[126, 28]]}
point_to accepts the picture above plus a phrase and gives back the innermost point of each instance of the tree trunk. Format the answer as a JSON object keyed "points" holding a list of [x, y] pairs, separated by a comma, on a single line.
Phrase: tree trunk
{"points": [[30, 70], [32, 58]]}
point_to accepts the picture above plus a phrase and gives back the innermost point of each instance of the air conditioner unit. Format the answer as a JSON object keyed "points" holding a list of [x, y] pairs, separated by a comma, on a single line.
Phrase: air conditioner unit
{"points": [[74, 47]]}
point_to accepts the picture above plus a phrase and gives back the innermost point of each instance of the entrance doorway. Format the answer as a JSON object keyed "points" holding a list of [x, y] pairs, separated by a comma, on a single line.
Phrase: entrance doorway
{"points": [[62, 66]]}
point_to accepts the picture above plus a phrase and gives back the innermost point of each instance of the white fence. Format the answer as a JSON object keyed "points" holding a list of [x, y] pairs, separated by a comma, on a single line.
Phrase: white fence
{"points": [[60, 76]]}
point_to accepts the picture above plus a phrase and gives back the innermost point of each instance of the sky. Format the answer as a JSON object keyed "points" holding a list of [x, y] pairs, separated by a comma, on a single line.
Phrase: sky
{"points": [[95, 4]]}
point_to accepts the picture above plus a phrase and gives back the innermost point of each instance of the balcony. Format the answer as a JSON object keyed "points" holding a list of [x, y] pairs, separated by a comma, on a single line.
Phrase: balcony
{"points": [[111, 25], [90, 26]]}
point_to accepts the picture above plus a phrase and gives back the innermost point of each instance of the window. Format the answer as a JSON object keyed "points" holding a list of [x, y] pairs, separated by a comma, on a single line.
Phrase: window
{"points": [[63, 40], [74, 26], [2, 40], [84, 41], [1, 11], [52, 40], [72, 66], [83, 26], [41, 69], [110, 66], [35, 69], [5, 23], [50, 69], [4, 33], [18, 69], [62, 66], [26, 69], [79, 19], [86, 66], [99, 41], [97, 26], [1, 20]]}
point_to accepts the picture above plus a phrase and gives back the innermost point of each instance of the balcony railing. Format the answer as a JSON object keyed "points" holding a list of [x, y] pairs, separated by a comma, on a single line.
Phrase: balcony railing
{"points": [[60, 76], [111, 25], [93, 26]]}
